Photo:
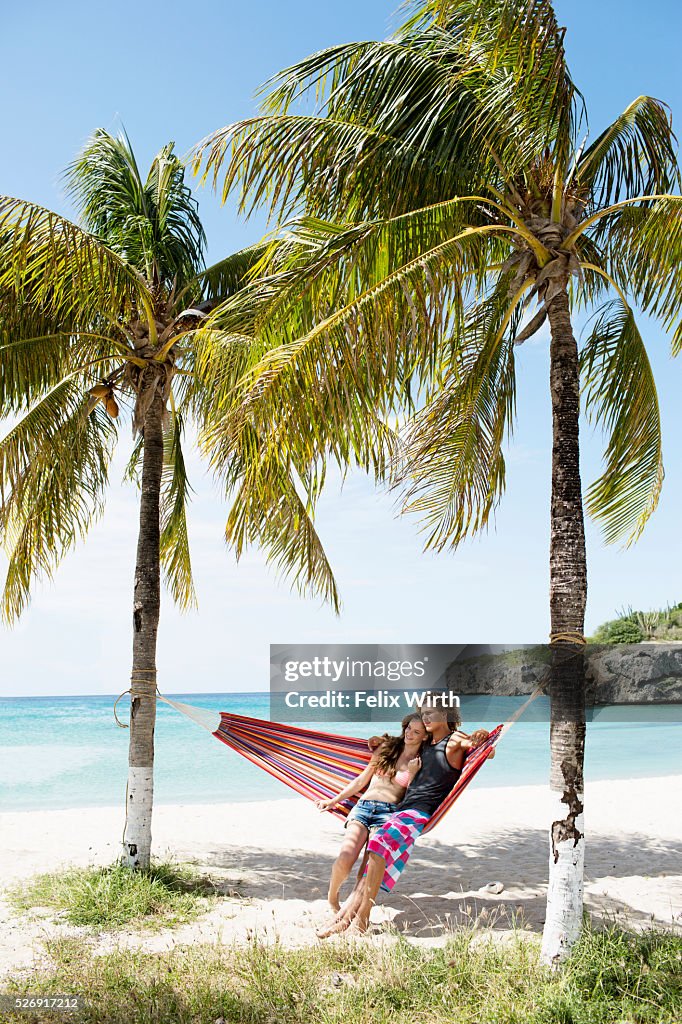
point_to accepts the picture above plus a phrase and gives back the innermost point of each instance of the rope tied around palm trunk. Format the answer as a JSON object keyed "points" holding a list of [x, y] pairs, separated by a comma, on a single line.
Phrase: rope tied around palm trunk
{"points": [[564, 645], [569, 637], [134, 692]]}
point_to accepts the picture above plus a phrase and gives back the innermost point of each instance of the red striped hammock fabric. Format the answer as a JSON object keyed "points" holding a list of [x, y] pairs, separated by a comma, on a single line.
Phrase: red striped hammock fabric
{"points": [[318, 765]]}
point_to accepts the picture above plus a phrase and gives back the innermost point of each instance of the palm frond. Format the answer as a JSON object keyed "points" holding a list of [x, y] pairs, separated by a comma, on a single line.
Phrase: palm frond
{"points": [[318, 266], [394, 128], [268, 159], [42, 427], [54, 467], [266, 509], [620, 395], [174, 540], [55, 277], [634, 156], [451, 468], [228, 276], [332, 383], [153, 224], [642, 247], [515, 68], [31, 366]]}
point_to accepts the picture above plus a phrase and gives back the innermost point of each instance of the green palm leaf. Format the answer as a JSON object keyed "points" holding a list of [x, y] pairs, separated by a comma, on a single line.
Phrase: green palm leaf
{"points": [[634, 156], [643, 252], [370, 351], [268, 510], [399, 120], [279, 157], [153, 224], [452, 468], [516, 68], [174, 542], [620, 395], [227, 277], [32, 366], [55, 273], [54, 469]]}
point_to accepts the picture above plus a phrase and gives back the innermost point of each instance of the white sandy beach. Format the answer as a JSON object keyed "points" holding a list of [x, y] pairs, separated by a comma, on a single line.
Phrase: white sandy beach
{"points": [[277, 855]]}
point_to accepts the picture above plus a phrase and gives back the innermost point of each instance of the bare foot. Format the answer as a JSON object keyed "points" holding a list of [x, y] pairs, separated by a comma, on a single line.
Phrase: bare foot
{"points": [[333, 901], [335, 928]]}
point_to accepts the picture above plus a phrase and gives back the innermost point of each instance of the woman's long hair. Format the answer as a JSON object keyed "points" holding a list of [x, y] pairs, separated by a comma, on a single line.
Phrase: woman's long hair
{"points": [[388, 754]]}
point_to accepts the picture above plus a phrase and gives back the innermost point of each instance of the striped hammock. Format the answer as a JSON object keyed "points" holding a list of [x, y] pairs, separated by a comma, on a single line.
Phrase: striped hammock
{"points": [[317, 765]]}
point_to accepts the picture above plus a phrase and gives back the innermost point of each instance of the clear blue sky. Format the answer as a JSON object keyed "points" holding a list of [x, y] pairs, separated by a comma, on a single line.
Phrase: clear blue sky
{"points": [[172, 71]]}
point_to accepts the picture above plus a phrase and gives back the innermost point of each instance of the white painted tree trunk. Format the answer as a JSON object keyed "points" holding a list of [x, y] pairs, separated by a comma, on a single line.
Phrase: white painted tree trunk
{"points": [[567, 599], [138, 832], [564, 915], [137, 842]]}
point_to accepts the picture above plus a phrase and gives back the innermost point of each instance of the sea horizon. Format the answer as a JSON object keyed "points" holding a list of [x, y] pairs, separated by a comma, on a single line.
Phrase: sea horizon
{"points": [[65, 751]]}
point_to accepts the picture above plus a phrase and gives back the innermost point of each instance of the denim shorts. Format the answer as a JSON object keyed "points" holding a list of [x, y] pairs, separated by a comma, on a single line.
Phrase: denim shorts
{"points": [[371, 813]]}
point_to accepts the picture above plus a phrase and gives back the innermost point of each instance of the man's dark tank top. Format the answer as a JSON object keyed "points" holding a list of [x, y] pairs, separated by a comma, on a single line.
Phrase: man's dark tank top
{"points": [[433, 781]]}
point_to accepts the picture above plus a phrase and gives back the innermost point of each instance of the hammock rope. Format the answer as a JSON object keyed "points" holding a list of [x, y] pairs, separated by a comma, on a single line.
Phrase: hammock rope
{"points": [[318, 765]]}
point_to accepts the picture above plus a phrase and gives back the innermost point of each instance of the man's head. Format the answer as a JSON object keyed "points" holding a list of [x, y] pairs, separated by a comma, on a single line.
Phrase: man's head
{"points": [[436, 711]]}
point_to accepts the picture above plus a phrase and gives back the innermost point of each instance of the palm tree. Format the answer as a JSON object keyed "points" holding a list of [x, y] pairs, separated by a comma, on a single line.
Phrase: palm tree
{"points": [[99, 318], [438, 206]]}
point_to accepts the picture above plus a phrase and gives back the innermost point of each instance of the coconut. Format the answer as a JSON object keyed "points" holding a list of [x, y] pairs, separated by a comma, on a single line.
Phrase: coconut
{"points": [[111, 406]]}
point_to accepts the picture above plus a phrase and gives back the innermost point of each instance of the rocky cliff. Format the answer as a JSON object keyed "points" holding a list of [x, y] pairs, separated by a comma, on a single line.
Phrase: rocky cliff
{"points": [[647, 673]]}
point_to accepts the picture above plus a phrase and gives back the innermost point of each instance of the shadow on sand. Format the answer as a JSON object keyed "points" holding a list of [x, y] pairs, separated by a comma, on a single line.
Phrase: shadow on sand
{"points": [[439, 889]]}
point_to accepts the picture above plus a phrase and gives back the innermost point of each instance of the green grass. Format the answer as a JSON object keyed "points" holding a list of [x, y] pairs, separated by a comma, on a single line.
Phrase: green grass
{"points": [[108, 897], [612, 978]]}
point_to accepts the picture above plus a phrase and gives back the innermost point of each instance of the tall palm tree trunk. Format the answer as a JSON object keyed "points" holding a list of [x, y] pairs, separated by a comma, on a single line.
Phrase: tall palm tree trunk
{"points": [[146, 605], [568, 593]]}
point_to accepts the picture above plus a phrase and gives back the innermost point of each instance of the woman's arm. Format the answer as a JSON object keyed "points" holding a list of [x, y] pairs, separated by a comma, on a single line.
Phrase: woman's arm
{"points": [[358, 783]]}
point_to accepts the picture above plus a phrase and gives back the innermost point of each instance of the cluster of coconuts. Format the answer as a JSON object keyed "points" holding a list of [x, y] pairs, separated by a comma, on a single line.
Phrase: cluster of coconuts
{"points": [[104, 393]]}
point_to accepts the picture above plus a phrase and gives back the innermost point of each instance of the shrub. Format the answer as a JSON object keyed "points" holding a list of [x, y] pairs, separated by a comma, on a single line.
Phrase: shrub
{"points": [[619, 631]]}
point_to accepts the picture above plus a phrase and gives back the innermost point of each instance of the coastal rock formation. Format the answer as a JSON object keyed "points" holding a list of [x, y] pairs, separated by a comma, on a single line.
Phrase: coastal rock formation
{"points": [[646, 673]]}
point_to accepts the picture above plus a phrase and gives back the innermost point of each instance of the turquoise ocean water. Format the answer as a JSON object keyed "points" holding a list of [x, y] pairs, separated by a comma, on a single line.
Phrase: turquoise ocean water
{"points": [[59, 752]]}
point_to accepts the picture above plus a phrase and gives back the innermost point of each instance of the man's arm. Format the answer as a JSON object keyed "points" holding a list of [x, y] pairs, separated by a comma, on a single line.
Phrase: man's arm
{"points": [[460, 744], [478, 738]]}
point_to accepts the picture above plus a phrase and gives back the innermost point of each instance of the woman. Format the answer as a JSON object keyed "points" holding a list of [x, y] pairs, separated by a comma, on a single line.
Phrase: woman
{"points": [[394, 764]]}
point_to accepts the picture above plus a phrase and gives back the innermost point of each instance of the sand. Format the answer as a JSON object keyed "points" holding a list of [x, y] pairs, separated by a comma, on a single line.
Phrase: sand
{"points": [[276, 858]]}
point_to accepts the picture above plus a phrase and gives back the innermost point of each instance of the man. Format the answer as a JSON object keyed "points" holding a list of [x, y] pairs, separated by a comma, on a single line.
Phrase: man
{"points": [[390, 845]]}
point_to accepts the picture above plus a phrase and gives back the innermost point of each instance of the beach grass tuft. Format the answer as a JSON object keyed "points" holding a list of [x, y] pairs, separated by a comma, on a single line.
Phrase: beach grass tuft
{"points": [[474, 978], [107, 897]]}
